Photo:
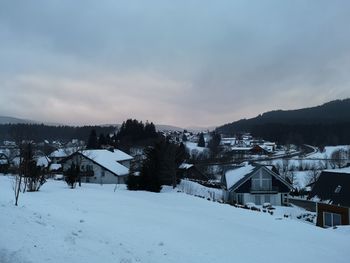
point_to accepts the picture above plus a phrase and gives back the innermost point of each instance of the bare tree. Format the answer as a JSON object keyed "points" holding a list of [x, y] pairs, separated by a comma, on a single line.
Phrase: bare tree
{"points": [[338, 158], [285, 166], [291, 175], [313, 174]]}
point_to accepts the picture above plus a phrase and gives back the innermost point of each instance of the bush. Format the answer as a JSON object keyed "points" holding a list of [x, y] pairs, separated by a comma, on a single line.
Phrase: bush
{"points": [[133, 182]]}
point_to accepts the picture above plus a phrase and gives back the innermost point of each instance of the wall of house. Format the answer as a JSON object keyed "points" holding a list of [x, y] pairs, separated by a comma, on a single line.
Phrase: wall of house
{"points": [[276, 184], [343, 211], [244, 198], [274, 199]]}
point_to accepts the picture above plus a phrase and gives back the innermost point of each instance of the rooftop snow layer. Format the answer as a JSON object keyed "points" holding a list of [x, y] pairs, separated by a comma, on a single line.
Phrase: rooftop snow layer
{"points": [[233, 176], [345, 170], [109, 160]]}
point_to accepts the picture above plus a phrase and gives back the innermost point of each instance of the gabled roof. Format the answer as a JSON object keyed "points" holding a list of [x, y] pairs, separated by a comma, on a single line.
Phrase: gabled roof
{"points": [[116, 154], [63, 152], [106, 159], [235, 177], [333, 187]]}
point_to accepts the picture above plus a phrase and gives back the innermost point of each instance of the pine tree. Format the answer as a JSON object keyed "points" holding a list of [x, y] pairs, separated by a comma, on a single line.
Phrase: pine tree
{"points": [[214, 144], [71, 175], [102, 140], [92, 141], [201, 141], [149, 177]]}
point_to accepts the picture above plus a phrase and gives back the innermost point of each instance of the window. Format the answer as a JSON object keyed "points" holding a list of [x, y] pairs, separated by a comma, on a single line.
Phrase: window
{"points": [[337, 189], [331, 219], [261, 181], [103, 173]]}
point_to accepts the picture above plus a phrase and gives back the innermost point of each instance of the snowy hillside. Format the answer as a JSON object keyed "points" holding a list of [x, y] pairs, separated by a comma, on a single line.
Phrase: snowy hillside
{"points": [[95, 224]]}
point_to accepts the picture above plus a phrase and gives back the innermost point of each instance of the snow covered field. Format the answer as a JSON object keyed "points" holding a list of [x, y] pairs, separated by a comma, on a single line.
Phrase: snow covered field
{"points": [[95, 224]]}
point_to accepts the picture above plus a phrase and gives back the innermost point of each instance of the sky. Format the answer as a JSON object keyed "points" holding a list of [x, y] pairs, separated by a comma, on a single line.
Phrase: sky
{"points": [[184, 62]]}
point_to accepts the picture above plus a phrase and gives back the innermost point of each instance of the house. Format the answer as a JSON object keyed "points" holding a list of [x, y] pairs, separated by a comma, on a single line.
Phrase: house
{"points": [[4, 163], [332, 195], [254, 183], [60, 154], [191, 172], [100, 166], [259, 150]]}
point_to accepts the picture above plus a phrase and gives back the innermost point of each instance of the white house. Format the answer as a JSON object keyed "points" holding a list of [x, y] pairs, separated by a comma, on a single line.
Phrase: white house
{"points": [[254, 183], [100, 166]]}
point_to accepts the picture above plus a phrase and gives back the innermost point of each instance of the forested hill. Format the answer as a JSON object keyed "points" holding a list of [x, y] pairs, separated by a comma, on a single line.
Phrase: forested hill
{"points": [[321, 125], [40, 132]]}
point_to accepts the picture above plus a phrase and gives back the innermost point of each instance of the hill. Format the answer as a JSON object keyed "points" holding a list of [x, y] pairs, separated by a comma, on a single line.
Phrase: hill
{"points": [[97, 223], [325, 124], [12, 120]]}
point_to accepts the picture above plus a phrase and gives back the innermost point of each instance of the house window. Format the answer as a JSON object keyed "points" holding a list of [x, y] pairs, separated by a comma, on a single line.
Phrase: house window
{"points": [[261, 181], [103, 173], [337, 190], [331, 219]]}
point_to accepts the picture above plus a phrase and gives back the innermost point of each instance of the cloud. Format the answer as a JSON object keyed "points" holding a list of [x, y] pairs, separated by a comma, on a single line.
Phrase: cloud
{"points": [[184, 62]]}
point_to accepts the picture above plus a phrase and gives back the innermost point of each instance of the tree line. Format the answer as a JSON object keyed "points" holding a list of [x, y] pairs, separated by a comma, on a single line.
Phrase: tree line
{"points": [[41, 132]]}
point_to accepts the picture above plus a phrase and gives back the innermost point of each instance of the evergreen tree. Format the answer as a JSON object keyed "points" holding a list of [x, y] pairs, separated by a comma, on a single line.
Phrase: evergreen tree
{"points": [[184, 138], [149, 177], [201, 141], [71, 175], [214, 144], [92, 141], [102, 140]]}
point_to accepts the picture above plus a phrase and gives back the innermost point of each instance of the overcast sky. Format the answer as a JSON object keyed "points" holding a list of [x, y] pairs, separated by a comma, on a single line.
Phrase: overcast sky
{"points": [[184, 63]]}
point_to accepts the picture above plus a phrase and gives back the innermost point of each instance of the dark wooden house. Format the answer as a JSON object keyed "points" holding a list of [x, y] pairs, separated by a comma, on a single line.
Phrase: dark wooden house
{"points": [[332, 193]]}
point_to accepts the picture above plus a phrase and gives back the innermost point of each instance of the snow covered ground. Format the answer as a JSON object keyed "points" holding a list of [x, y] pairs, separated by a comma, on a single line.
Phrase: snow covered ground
{"points": [[95, 224], [194, 150]]}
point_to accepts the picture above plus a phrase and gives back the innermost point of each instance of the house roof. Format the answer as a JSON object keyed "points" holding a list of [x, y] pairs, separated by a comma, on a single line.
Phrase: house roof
{"points": [[333, 187], [236, 174], [61, 153], [234, 177], [108, 160], [185, 166]]}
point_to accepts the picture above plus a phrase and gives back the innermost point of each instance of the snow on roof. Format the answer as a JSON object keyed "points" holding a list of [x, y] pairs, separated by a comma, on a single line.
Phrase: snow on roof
{"points": [[109, 160], [345, 170], [185, 166], [55, 166], [234, 175], [61, 153], [241, 148], [43, 161]]}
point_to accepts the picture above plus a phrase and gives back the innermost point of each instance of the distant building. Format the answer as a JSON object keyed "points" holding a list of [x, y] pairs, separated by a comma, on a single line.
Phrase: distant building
{"points": [[254, 183], [332, 193]]}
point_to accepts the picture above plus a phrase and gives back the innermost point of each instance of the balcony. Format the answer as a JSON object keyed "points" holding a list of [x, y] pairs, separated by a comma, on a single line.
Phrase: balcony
{"points": [[269, 190]]}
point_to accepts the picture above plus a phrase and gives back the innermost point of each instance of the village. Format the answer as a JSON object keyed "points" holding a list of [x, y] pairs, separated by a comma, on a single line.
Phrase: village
{"points": [[240, 171]]}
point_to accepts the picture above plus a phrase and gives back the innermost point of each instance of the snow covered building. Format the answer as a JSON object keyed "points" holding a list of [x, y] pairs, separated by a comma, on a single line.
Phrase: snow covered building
{"points": [[100, 166], [62, 153], [254, 183], [332, 194]]}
